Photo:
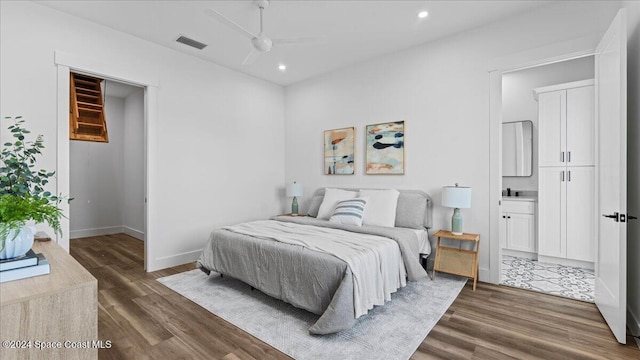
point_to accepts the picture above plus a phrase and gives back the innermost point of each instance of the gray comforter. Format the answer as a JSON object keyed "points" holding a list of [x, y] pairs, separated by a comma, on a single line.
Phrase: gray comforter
{"points": [[315, 281]]}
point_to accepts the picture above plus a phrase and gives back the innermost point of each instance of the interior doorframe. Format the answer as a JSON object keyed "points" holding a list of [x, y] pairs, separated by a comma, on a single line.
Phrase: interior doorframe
{"points": [[120, 71], [558, 52]]}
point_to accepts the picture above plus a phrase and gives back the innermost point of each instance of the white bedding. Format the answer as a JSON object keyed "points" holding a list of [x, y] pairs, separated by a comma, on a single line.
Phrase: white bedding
{"points": [[376, 264], [423, 241]]}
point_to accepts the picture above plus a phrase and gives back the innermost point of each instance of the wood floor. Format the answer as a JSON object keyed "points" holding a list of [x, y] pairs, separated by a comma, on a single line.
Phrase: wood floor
{"points": [[146, 320]]}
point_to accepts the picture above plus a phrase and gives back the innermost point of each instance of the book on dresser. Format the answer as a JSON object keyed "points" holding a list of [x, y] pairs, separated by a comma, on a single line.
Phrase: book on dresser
{"points": [[41, 268], [28, 259]]}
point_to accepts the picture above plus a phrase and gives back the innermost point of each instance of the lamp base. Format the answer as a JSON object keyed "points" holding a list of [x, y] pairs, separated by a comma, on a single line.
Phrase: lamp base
{"points": [[294, 206], [456, 222]]}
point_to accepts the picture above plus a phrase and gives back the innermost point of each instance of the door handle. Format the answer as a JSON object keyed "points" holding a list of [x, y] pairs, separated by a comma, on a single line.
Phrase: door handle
{"points": [[569, 175], [631, 217], [615, 216], [562, 179], [569, 157], [562, 156]]}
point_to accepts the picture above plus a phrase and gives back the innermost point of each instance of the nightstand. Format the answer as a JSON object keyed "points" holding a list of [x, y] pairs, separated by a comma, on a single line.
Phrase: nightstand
{"points": [[293, 215], [457, 261]]}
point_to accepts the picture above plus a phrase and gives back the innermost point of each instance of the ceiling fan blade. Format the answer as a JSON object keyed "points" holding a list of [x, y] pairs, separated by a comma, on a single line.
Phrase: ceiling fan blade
{"points": [[251, 58], [230, 23], [299, 41]]}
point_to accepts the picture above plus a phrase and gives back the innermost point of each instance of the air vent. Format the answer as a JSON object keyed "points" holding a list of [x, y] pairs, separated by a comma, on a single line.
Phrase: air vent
{"points": [[190, 42]]}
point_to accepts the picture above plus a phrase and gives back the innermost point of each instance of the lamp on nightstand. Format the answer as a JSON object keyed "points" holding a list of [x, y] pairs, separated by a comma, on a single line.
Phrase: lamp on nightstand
{"points": [[457, 197], [294, 190]]}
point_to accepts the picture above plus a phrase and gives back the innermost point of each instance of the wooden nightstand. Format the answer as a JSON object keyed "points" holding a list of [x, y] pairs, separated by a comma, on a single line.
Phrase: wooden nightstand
{"points": [[457, 261]]}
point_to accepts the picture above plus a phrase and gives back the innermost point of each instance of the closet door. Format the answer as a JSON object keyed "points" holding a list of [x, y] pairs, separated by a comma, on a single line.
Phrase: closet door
{"points": [[552, 128], [580, 213], [580, 127], [551, 211]]}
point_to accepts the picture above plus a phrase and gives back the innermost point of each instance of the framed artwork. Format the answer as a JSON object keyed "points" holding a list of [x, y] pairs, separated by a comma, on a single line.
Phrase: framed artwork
{"points": [[385, 148], [339, 151]]}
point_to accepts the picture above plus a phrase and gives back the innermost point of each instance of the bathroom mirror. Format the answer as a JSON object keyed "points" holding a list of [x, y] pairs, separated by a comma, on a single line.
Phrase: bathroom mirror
{"points": [[517, 138]]}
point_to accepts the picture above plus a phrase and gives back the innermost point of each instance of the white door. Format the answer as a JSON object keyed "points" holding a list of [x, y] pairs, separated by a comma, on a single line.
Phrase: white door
{"points": [[552, 127], [611, 112], [551, 211], [580, 204], [580, 126], [521, 232]]}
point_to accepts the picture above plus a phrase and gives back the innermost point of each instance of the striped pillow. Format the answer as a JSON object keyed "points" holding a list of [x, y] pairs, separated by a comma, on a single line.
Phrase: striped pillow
{"points": [[349, 212]]}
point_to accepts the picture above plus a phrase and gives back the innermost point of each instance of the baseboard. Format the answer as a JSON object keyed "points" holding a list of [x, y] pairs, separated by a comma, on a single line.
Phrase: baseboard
{"points": [[75, 234], [522, 254], [566, 262], [173, 260], [633, 322], [133, 232], [484, 275]]}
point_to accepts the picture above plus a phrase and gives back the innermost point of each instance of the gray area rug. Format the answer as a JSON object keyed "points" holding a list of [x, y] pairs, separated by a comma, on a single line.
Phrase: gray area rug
{"points": [[393, 331]]}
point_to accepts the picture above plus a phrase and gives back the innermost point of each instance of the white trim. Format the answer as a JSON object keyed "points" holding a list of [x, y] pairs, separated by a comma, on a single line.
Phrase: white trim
{"points": [[549, 54], [522, 254], [175, 260], [125, 72], [566, 262], [76, 234], [140, 76], [133, 232], [558, 52]]}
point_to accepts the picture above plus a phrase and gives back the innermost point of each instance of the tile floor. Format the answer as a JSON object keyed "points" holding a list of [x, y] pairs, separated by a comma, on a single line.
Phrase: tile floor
{"points": [[572, 282]]}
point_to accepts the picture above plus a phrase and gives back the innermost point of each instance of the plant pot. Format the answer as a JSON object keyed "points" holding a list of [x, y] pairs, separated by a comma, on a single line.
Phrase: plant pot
{"points": [[18, 242]]}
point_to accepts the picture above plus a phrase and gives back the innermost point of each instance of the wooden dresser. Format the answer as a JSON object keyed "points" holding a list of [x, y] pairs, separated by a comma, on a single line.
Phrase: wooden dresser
{"points": [[52, 316]]}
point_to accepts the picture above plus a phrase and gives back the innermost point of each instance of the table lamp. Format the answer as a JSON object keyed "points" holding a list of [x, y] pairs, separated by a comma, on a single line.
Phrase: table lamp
{"points": [[457, 197], [294, 190]]}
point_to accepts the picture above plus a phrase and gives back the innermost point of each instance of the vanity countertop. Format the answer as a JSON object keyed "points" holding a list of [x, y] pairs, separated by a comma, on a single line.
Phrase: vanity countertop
{"points": [[519, 198]]}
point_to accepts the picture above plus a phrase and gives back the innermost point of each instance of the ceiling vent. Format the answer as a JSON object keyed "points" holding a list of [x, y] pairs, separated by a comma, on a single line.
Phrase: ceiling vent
{"points": [[190, 42]]}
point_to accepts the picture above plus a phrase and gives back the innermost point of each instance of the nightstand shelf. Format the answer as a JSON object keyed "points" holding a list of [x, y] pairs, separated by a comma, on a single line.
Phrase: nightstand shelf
{"points": [[457, 261]]}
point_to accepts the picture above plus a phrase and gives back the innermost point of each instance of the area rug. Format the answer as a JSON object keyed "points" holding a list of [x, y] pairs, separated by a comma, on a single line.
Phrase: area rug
{"points": [[393, 331]]}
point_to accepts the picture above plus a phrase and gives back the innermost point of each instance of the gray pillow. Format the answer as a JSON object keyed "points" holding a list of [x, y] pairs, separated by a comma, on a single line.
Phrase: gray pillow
{"points": [[314, 206], [411, 210]]}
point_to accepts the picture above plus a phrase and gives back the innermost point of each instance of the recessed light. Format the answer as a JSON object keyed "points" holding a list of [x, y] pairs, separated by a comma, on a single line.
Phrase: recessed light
{"points": [[282, 67], [423, 14]]}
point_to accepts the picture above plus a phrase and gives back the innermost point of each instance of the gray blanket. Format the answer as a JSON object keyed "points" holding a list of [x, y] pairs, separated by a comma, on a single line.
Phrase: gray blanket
{"points": [[311, 280]]}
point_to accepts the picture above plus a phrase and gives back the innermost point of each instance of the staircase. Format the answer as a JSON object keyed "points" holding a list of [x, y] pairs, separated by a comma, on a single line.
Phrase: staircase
{"points": [[87, 119]]}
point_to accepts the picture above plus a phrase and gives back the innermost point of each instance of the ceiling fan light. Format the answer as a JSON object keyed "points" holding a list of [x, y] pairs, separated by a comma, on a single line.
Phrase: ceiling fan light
{"points": [[282, 67], [423, 14]]}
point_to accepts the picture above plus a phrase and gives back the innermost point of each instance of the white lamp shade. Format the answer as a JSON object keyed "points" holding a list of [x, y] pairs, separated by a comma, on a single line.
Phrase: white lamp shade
{"points": [[456, 197], [294, 190]]}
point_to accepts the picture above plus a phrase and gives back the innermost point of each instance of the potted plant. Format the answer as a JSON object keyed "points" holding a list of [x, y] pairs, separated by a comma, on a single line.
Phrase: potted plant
{"points": [[22, 194]]}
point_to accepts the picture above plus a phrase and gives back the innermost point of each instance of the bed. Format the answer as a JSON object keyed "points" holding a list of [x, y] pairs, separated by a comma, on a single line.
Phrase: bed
{"points": [[337, 271]]}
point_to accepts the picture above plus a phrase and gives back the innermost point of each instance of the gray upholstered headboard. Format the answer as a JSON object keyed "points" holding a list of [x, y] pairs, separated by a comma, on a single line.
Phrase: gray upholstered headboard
{"points": [[404, 202]]}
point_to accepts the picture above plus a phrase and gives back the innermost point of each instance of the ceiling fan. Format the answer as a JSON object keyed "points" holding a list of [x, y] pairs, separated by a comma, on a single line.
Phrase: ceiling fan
{"points": [[261, 43]]}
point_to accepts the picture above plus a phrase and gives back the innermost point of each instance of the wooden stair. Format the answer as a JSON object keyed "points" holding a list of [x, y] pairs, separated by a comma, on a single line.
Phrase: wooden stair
{"points": [[87, 120]]}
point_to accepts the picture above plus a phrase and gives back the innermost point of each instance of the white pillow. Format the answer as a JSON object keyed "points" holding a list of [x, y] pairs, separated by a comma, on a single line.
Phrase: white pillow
{"points": [[350, 212], [381, 207], [331, 198]]}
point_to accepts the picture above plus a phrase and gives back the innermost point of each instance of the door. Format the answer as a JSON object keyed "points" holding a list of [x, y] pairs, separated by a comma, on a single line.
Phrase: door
{"points": [[611, 112], [580, 204], [551, 211], [580, 127], [521, 232], [552, 127]]}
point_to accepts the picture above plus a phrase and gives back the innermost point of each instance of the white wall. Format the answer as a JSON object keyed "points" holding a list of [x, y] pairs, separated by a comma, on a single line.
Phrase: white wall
{"points": [[133, 165], [441, 90], [518, 103], [96, 182], [217, 142], [633, 165]]}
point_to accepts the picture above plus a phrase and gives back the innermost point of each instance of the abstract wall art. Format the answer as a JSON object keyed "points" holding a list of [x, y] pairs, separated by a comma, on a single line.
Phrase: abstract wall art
{"points": [[385, 148], [339, 151]]}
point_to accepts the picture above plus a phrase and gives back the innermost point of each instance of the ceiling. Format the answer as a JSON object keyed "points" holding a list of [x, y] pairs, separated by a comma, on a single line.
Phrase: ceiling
{"points": [[353, 31]]}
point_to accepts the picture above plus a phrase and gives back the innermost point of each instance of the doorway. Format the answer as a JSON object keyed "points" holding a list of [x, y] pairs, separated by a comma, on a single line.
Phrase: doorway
{"points": [[107, 177], [547, 245]]}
